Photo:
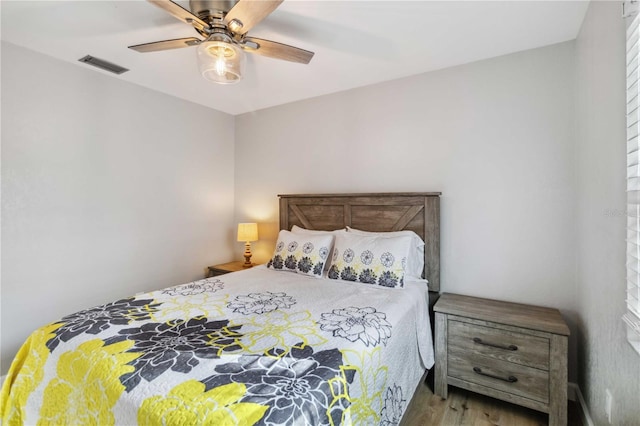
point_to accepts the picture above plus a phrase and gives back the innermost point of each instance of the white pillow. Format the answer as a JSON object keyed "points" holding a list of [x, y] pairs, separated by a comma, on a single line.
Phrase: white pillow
{"points": [[303, 231], [415, 261], [370, 259], [301, 253]]}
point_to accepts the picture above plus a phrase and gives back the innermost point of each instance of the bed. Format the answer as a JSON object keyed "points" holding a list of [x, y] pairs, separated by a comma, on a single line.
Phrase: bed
{"points": [[264, 346]]}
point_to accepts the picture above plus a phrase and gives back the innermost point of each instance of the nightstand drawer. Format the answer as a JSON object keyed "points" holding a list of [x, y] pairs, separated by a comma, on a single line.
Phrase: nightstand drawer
{"points": [[500, 375], [499, 344]]}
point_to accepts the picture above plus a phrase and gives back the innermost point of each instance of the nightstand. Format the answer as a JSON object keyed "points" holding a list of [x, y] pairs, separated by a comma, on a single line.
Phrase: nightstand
{"points": [[513, 352], [225, 268]]}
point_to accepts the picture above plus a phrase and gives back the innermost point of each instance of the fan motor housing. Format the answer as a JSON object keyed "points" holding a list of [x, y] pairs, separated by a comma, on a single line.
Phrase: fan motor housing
{"points": [[211, 7]]}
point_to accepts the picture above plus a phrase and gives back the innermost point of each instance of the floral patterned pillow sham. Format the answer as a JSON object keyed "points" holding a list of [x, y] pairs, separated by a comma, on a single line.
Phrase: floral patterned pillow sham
{"points": [[303, 231], [370, 259], [301, 253], [415, 261]]}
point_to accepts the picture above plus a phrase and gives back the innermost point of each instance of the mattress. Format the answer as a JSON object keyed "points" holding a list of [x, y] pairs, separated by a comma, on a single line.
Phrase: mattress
{"points": [[258, 347]]}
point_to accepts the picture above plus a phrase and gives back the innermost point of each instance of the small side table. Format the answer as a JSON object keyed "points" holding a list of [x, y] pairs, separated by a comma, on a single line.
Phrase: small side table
{"points": [[225, 268], [509, 351]]}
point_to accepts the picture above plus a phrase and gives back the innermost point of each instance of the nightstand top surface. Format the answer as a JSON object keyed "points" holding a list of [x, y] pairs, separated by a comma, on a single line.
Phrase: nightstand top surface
{"points": [[234, 266], [516, 314]]}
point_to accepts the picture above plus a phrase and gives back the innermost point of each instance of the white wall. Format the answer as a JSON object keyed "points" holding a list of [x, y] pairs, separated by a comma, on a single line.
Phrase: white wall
{"points": [[496, 137], [607, 361], [108, 189]]}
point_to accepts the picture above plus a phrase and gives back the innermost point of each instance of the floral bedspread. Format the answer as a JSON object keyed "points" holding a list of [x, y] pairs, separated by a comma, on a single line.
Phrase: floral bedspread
{"points": [[254, 347]]}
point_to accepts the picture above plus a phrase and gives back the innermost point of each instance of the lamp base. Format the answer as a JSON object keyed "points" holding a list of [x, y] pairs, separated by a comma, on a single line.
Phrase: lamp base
{"points": [[247, 256]]}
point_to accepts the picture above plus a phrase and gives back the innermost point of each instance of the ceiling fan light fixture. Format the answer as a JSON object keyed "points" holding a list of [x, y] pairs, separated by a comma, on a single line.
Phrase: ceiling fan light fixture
{"points": [[220, 60], [224, 24]]}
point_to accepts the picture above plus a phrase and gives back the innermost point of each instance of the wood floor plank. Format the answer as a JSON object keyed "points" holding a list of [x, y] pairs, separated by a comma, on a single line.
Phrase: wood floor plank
{"points": [[464, 408]]}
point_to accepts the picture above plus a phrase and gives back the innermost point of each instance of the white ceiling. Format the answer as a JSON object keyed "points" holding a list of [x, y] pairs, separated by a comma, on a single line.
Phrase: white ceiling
{"points": [[356, 43]]}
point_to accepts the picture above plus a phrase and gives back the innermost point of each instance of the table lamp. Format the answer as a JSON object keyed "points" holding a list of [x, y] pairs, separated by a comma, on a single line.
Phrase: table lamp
{"points": [[247, 232]]}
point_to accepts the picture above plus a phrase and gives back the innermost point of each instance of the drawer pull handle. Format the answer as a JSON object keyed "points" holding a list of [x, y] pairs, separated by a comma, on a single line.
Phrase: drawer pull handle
{"points": [[510, 379], [495, 345]]}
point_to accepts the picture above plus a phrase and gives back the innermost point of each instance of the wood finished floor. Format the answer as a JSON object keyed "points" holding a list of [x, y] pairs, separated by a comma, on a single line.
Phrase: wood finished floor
{"points": [[467, 408]]}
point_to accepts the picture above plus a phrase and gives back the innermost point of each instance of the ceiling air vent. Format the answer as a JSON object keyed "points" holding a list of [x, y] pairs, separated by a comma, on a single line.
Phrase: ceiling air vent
{"points": [[102, 64]]}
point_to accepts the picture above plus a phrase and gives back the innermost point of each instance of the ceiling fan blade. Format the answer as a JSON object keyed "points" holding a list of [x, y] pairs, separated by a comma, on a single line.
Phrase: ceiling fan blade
{"points": [[181, 13], [166, 44], [276, 50], [247, 13]]}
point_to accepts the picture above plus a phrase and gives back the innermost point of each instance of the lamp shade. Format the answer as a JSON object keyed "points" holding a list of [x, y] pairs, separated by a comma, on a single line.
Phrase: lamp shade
{"points": [[220, 60], [247, 232]]}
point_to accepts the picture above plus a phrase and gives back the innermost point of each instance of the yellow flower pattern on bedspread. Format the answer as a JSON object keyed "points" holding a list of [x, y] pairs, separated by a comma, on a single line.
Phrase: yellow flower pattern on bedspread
{"points": [[277, 329], [29, 362], [370, 381], [201, 305], [189, 404], [87, 386]]}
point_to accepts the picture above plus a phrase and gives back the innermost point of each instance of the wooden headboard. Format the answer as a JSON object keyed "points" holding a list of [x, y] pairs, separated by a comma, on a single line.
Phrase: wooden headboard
{"points": [[416, 211]]}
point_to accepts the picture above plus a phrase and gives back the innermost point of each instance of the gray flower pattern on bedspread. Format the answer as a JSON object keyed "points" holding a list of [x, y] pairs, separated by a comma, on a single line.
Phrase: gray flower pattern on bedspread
{"points": [[299, 387], [176, 346], [393, 406], [208, 285], [261, 303], [99, 318], [365, 324]]}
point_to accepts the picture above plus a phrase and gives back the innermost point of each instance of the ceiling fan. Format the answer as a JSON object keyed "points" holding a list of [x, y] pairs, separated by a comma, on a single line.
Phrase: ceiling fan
{"points": [[224, 25]]}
